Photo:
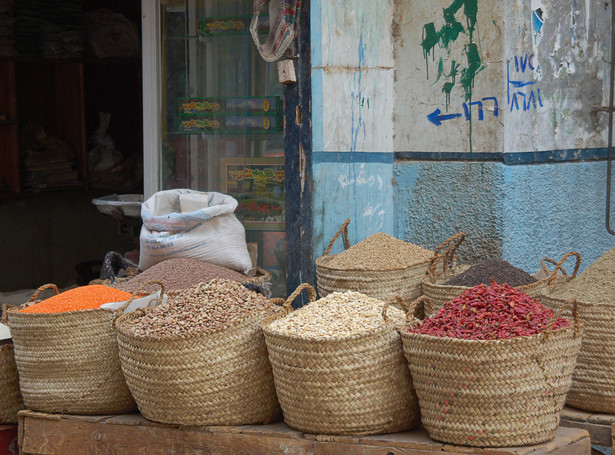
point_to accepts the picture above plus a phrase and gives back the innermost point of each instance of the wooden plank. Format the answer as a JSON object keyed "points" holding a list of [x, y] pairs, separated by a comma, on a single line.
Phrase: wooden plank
{"points": [[599, 426], [44, 434]]}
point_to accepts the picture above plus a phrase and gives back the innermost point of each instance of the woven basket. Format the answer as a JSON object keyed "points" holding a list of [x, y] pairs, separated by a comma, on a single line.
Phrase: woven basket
{"points": [[345, 385], [433, 282], [68, 362], [379, 284], [219, 377], [493, 393], [593, 380], [11, 400]]}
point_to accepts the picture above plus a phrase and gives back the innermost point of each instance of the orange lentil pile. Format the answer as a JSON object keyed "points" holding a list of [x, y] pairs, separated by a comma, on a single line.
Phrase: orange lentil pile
{"points": [[80, 298]]}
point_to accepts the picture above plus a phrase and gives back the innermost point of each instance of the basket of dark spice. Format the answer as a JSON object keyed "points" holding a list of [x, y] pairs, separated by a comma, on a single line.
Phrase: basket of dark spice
{"points": [[593, 381], [380, 266], [444, 280], [492, 367], [200, 358]]}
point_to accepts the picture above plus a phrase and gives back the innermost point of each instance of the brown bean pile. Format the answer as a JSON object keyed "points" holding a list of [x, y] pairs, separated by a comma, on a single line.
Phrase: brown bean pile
{"points": [[596, 284], [498, 270], [179, 273], [380, 252], [207, 307]]}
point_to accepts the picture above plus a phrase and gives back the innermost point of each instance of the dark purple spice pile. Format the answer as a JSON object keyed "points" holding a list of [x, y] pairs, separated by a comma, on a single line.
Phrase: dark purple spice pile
{"points": [[493, 269]]}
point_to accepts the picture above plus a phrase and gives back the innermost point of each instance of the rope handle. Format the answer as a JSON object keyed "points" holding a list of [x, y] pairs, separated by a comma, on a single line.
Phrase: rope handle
{"points": [[445, 252], [557, 314], [42, 288], [31, 301], [344, 229], [287, 305], [5, 308], [560, 266], [411, 320]]}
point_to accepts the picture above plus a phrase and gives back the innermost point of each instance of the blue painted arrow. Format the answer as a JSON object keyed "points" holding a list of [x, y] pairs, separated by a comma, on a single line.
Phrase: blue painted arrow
{"points": [[436, 118]]}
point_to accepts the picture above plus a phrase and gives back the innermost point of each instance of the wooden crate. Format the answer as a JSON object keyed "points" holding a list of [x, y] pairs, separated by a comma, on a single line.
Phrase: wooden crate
{"points": [[599, 426], [50, 434]]}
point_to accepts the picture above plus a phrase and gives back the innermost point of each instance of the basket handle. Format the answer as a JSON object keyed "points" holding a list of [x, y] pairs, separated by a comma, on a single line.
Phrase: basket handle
{"points": [[344, 229], [287, 305], [445, 252], [31, 301], [42, 288], [388, 303], [560, 266], [557, 314], [135, 293], [410, 318]]}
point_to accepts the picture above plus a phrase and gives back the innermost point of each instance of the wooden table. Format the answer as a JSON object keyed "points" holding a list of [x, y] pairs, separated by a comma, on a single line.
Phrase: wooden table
{"points": [[601, 427], [52, 434]]}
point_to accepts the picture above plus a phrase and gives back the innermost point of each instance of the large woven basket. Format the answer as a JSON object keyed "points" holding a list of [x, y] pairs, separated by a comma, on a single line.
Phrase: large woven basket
{"points": [[492, 393], [11, 401], [218, 377], [433, 282], [593, 380], [379, 284], [346, 385], [68, 362]]}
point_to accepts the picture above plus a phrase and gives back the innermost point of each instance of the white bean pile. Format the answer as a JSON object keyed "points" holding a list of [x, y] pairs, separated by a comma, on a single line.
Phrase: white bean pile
{"points": [[339, 314]]}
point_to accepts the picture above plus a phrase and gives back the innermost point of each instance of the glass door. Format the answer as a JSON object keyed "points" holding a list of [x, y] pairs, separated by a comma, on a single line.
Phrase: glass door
{"points": [[220, 118]]}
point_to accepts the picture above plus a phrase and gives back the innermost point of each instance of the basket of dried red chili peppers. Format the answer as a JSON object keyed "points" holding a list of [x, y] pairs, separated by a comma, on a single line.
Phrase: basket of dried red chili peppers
{"points": [[492, 367]]}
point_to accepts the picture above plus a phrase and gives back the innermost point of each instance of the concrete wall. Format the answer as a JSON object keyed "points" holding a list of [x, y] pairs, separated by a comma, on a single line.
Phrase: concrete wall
{"points": [[352, 107], [489, 128]]}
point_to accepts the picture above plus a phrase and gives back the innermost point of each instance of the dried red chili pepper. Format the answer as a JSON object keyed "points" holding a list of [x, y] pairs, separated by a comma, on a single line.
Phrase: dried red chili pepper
{"points": [[491, 312]]}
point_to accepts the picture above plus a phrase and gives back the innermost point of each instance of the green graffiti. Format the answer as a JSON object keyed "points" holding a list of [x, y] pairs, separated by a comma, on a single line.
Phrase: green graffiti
{"points": [[449, 34]]}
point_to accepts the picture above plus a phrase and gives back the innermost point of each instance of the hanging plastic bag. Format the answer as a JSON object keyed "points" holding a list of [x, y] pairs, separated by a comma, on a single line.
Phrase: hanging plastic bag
{"points": [[283, 16], [193, 224]]}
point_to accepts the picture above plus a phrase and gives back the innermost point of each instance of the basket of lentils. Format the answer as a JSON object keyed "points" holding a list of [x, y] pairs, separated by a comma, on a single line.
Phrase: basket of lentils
{"points": [[492, 367], [380, 266], [200, 358], [593, 381], [339, 367], [445, 280]]}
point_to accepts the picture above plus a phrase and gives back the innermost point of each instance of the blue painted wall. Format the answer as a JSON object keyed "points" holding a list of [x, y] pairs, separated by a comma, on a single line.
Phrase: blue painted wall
{"points": [[517, 213]]}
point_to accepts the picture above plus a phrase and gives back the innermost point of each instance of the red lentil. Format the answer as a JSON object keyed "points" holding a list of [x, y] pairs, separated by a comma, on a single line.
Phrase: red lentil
{"points": [[488, 313], [80, 298]]}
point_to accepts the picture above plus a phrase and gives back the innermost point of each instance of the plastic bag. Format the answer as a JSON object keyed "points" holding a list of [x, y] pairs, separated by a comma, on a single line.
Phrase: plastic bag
{"points": [[193, 224]]}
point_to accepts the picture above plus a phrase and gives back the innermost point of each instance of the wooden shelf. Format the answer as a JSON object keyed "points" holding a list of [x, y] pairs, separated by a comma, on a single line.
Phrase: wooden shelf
{"points": [[52, 434]]}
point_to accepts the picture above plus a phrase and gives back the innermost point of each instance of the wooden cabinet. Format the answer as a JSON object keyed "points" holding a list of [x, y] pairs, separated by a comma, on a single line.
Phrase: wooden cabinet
{"points": [[65, 97]]}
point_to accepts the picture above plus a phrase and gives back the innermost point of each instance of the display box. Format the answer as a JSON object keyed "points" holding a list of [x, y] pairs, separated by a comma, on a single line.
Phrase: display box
{"points": [[235, 105], [8, 440], [232, 25], [229, 124]]}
